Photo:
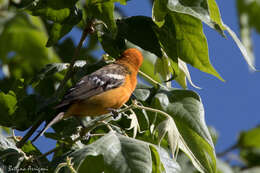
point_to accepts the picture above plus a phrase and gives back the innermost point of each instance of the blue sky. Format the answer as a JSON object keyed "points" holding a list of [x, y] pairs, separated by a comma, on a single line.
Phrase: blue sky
{"points": [[231, 106]]}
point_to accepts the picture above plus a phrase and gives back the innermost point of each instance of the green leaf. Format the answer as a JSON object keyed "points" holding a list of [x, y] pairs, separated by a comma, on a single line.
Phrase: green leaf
{"points": [[250, 139], [142, 92], [159, 11], [56, 12], [242, 48], [25, 36], [167, 36], [119, 153], [250, 9], [141, 31], [223, 167], [64, 14], [215, 14], [31, 150], [58, 30], [252, 170], [149, 65], [163, 67], [186, 109], [103, 11], [204, 10], [49, 70], [162, 162], [7, 107], [112, 46], [214, 134], [6, 143], [92, 164], [3, 168], [11, 156], [183, 74], [248, 143], [157, 165], [192, 44], [3, 4]]}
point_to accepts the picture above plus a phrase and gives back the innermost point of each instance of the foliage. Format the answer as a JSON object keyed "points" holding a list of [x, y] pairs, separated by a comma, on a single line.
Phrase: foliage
{"points": [[248, 12], [38, 65]]}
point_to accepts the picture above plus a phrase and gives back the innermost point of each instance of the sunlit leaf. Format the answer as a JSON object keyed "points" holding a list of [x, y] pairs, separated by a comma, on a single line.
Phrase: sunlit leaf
{"points": [[242, 48], [187, 111], [192, 43], [7, 107], [199, 9], [250, 138], [134, 124], [25, 37], [184, 73], [162, 161]]}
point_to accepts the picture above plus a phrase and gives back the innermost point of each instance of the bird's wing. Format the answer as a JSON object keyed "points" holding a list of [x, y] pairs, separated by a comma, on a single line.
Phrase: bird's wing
{"points": [[106, 78]]}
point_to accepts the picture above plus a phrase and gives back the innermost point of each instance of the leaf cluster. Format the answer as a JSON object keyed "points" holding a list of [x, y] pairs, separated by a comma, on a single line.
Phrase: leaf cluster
{"points": [[162, 130]]}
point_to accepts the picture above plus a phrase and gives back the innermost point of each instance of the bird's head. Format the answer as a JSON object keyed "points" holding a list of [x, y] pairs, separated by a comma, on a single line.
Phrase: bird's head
{"points": [[132, 56]]}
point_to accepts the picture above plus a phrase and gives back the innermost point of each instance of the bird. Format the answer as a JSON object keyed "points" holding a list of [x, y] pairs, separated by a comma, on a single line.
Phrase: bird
{"points": [[102, 91]]}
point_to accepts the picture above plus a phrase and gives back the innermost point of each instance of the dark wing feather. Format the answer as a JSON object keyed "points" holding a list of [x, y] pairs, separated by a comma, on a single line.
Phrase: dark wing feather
{"points": [[95, 83]]}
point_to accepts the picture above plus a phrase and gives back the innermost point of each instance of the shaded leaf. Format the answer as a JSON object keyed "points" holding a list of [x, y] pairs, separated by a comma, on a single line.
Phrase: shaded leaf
{"points": [[103, 11], [58, 30], [249, 145], [140, 30], [24, 36], [119, 153], [223, 167], [10, 154], [252, 170]]}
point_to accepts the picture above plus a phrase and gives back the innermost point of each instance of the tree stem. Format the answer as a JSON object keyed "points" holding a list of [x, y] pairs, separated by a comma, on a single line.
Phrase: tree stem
{"points": [[223, 153], [88, 29], [151, 79]]}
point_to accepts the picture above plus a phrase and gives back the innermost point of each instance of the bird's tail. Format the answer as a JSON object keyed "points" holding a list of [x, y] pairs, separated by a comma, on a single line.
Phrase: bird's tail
{"points": [[56, 119]]}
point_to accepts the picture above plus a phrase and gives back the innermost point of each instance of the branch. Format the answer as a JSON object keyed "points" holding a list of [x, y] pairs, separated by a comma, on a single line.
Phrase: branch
{"points": [[49, 152], [68, 163], [135, 105], [152, 80], [223, 153], [88, 29]]}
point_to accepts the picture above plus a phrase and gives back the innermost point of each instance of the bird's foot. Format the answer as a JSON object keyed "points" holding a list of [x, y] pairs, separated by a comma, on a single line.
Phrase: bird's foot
{"points": [[114, 112]]}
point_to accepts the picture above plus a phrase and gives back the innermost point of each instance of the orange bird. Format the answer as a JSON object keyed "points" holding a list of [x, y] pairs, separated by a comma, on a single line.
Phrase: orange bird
{"points": [[102, 91]]}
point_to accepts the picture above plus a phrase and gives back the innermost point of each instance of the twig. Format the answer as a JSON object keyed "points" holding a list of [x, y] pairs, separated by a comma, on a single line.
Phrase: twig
{"points": [[49, 152], [97, 123], [152, 80], [135, 105], [86, 31], [68, 163], [29, 134], [233, 147]]}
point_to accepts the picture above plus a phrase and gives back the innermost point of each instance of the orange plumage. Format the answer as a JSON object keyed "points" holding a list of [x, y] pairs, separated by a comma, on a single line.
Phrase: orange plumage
{"points": [[103, 90]]}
